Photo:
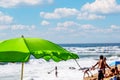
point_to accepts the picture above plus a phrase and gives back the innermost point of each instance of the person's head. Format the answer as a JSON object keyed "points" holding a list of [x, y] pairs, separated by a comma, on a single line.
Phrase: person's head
{"points": [[116, 68], [101, 56], [105, 59], [55, 67], [113, 70]]}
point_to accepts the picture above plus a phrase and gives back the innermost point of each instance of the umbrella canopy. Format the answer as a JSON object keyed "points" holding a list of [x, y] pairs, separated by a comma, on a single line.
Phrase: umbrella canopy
{"points": [[114, 63], [20, 49]]}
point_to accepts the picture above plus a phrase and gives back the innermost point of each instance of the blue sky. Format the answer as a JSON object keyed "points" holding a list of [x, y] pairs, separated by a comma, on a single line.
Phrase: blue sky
{"points": [[61, 21]]}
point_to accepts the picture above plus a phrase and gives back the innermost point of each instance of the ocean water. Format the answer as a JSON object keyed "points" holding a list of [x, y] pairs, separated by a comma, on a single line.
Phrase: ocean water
{"points": [[93, 50], [39, 69]]}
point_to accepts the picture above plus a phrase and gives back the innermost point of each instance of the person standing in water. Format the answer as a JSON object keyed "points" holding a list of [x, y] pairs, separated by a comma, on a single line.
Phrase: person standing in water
{"points": [[56, 72]]}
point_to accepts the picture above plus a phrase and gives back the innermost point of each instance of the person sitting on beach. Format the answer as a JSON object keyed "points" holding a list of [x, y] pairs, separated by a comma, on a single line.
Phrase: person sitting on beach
{"points": [[101, 66], [113, 75], [116, 74], [87, 71], [116, 70]]}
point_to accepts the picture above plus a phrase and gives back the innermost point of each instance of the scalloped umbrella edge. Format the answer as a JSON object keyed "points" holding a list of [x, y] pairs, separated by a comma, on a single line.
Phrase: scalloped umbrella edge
{"points": [[20, 49]]}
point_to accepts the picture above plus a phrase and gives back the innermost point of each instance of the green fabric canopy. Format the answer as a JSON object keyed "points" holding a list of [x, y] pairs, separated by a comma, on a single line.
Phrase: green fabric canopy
{"points": [[20, 49]]}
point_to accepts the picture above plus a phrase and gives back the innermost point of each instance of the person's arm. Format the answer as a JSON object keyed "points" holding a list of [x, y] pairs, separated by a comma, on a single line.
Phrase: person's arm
{"points": [[107, 66], [94, 65]]}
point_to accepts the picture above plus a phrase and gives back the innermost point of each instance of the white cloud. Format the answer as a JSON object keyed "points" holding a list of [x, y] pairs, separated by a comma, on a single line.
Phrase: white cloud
{"points": [[6, 24], [115, 27], [13, 3], [17, 27], [66, 25], [74, 27], [102, 6], [70, 12], [89, 16], [109, 29], [87, 26], [5, 19], [45, 23], [60, 13], [71, 26], [4, 27], [22, 27]]}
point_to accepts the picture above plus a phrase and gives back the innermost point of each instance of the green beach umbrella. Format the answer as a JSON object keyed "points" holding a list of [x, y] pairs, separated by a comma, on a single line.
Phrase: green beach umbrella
{"points": [[20, 50]]}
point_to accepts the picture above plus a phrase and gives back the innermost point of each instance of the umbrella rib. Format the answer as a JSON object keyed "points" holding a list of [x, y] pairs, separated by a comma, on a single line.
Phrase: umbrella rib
{"points": [[25, 42]]}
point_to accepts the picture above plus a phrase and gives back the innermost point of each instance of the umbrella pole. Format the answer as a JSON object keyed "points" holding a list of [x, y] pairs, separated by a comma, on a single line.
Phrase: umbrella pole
{"points": [[22, 70], [77, 63]]}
